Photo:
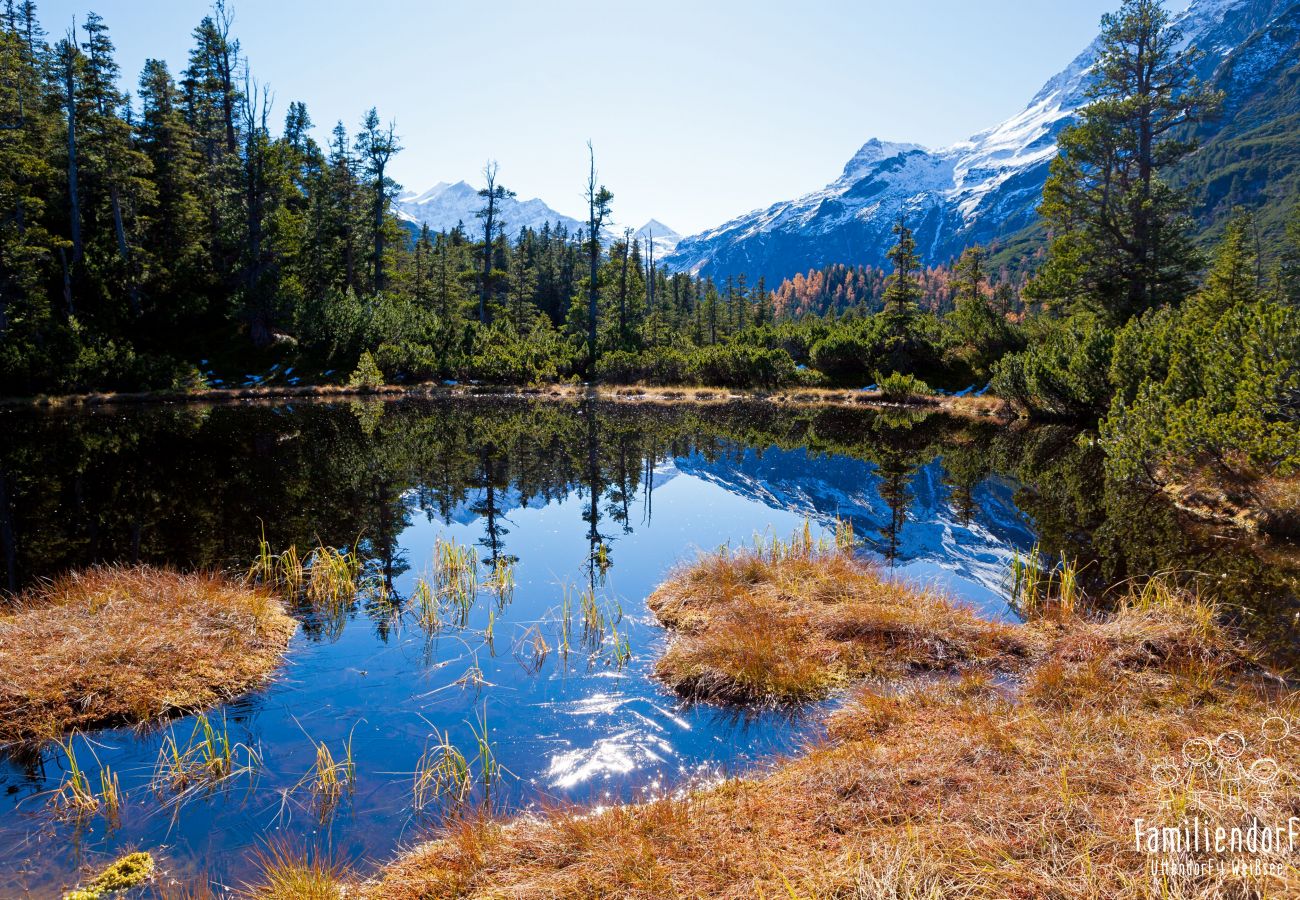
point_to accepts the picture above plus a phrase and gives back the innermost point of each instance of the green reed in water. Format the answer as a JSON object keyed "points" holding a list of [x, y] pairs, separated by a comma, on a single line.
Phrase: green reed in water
{"points": [[502, 580], [442, 771], [208, 758], [428, 612], [455, 577], [1037, 590], [331, 778], [490, 769], [77, 799]]}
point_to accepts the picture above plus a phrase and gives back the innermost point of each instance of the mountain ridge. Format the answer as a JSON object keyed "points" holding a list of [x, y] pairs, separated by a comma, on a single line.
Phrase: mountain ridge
{"points": [[984, 189], [447, 204]]}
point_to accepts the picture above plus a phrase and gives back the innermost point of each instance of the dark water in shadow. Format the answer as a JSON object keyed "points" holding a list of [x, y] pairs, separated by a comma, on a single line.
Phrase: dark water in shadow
{"points": [[604, 498]]}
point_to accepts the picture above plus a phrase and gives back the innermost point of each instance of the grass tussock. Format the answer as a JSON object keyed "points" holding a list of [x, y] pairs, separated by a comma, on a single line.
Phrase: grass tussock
{"points": [[113, 644], [1152, 715], [790, 621], [290, 874]]}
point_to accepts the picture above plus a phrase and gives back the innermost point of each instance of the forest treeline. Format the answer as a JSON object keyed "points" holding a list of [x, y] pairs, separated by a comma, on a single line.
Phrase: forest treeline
{"points": [[169, 237]]}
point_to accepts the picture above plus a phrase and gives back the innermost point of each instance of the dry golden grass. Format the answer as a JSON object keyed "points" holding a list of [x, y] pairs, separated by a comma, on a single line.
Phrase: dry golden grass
{"points": [[790, 622], [111, 645], [960, 787]]}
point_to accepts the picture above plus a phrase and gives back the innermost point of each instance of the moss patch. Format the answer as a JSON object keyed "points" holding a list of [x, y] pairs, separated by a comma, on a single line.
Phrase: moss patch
{"points": [[130, 871]]}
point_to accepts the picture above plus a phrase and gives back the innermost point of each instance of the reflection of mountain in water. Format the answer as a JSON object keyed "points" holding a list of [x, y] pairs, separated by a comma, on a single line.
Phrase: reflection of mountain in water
{"points": [[505, 499], [822, 487]]}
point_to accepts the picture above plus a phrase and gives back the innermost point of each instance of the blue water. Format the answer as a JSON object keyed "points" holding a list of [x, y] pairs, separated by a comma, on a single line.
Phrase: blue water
{"points": [[585, 729]]}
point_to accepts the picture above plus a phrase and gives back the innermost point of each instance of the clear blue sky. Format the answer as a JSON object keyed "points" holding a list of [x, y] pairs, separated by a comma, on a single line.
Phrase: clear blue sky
{"points": [[699, 110]]}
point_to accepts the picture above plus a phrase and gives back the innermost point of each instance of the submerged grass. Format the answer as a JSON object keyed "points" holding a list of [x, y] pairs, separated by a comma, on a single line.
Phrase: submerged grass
{"points": [[118, 644], [967, 785]]}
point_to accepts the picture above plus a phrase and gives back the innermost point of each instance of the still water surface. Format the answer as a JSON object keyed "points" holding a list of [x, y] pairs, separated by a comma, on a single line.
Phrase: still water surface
{"points": [[579, 498]]}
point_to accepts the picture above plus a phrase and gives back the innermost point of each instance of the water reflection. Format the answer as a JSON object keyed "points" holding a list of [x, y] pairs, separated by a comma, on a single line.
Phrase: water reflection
{"points": [[579, 498]]}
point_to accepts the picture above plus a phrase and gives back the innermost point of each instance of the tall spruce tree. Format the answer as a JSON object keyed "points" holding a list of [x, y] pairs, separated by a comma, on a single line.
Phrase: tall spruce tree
{"points": [[598, 207], [902, 290], [493, 195], [1120, 240], [377, 145], [174, 268]]}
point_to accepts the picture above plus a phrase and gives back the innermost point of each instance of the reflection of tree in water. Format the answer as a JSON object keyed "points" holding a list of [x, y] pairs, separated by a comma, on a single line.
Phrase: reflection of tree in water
{"points": [[489, 509], [899, 448], [964, 467], [1117, 533], [599, 557], [893, 489], [193, 487]]}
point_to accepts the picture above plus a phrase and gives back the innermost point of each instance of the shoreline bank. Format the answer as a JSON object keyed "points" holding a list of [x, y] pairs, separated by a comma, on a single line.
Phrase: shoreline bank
{"points": [[969, 406]]}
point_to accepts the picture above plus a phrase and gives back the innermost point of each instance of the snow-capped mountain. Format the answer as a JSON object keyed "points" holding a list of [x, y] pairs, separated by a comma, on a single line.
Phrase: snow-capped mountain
{"points": [[977, 190], [664, 239], [445, 205]]}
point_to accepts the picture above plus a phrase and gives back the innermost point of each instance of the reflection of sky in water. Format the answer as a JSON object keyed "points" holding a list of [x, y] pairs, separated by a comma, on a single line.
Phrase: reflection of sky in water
{"points": [[587, 733]]}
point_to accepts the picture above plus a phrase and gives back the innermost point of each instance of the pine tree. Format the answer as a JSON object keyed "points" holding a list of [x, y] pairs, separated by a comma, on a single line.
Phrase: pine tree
{"points": [[1287, 279], [28, 136], [213, 107], [764, 314], [118, 183], [902, 290], [173, 268], [598, 201], [1119, 233], [377, 146], [70, 64], [493, 196]]}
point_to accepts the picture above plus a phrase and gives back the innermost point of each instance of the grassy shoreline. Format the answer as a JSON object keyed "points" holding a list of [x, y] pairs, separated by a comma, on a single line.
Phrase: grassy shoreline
{"points": [[978, 407], [112, 645], [967, 786]]}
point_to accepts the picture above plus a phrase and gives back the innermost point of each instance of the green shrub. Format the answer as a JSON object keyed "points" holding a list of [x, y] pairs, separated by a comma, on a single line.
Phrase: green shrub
{"points": [[1215, 382], [503, 355], [408, 361], [1064, 373], [661, 366], [846, 356], [1233, 402], [899, 388], [367, 374], [733, 365]]}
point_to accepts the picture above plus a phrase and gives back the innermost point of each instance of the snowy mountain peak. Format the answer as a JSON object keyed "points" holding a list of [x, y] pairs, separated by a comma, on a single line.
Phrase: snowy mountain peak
{"points": [[655, 228], [873, 151], [664, 238], [448, 204]]}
